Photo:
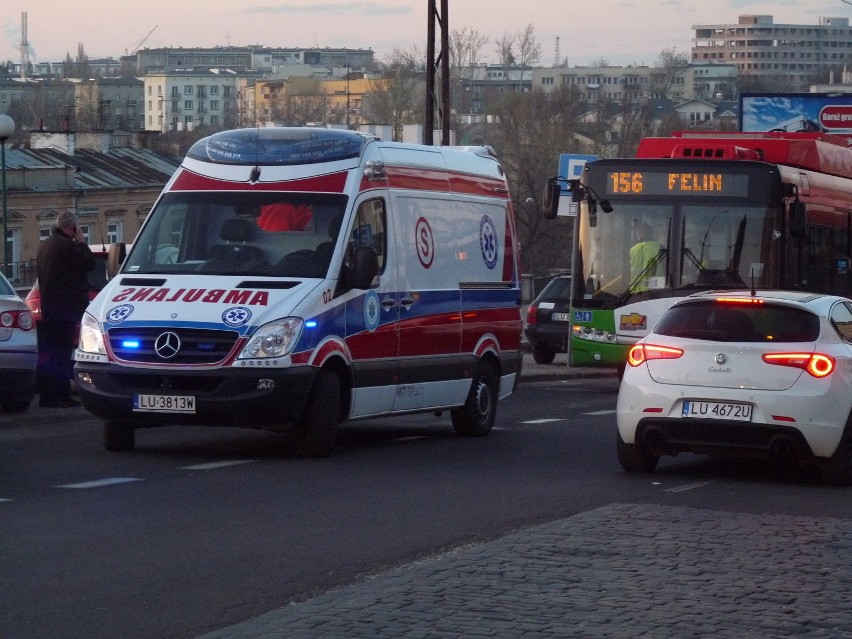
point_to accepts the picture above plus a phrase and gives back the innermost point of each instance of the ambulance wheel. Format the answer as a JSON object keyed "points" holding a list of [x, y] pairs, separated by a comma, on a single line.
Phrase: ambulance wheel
{"points": [[317, 430], [476, 417], [119, 436]]}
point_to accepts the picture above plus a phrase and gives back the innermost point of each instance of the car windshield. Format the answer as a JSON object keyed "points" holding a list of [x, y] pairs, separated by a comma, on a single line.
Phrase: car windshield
{"points": [[5, 287], [739, 322], [221, 233]]}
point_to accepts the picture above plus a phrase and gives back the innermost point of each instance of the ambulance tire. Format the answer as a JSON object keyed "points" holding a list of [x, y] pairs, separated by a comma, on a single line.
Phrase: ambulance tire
{"points": [[317, 430], [119, 436], [476, 417]]}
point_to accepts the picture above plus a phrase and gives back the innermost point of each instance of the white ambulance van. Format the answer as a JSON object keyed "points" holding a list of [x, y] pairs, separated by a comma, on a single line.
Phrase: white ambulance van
{"points": [[291, 279]]}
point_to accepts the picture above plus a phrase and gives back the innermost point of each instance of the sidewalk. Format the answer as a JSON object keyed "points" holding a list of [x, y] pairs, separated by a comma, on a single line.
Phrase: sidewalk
{"points": [[621, 570]]}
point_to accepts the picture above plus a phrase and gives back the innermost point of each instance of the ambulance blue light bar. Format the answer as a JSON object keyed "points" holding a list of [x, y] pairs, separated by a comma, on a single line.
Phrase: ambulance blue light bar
{"points": [[279, 146]]}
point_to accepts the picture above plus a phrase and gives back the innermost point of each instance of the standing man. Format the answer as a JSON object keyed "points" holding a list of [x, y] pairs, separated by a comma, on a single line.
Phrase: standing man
{"points": [[64, 259]]}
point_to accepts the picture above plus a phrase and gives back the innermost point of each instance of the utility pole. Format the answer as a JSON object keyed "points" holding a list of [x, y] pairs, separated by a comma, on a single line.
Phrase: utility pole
{"points": [[442, 60]]}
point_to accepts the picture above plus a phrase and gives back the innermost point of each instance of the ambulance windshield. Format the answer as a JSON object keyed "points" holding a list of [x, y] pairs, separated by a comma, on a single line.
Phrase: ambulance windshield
{"points": [[224, 233]]}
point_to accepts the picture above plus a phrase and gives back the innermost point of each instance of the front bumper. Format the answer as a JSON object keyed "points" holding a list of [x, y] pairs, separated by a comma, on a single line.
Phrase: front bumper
{"points": [[254, 398]]}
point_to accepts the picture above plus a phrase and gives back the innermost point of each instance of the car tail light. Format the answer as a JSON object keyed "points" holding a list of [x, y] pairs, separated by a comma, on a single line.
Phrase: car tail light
{"points": [[532, 314], [644, 352], [17, 319], [816, 364]]}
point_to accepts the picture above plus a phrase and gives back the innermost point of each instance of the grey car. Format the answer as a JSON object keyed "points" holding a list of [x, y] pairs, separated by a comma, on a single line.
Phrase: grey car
{"points": [[18, 350]]}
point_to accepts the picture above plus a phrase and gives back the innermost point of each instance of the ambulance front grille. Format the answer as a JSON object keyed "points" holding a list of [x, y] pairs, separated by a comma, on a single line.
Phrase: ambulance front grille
{"points": [[160, 345]]}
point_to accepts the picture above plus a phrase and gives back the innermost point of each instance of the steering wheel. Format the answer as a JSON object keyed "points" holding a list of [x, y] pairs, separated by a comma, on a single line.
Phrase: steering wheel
{"points": [[299, 263]]}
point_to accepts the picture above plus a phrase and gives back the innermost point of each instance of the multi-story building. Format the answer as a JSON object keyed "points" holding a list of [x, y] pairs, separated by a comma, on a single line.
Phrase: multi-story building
{"points": [[617, 84], [793, 56], [109, 103], [253, 58], [184, 100]]}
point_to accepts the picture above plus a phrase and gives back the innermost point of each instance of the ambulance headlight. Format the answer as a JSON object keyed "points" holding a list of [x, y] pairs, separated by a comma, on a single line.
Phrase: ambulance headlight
{"points": [[274, 339], [91, 338]]}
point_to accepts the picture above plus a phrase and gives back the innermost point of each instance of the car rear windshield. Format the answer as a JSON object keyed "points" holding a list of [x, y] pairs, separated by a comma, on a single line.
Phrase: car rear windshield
{"points": [[556, 289], [726, 322]]}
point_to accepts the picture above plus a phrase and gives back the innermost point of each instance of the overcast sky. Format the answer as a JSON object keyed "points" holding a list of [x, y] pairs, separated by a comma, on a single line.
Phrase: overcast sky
{"points": [[619, 31]]}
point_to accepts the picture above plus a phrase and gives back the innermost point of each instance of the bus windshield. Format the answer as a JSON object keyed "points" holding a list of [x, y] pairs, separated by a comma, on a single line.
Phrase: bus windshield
{"points": [[659, 249]]}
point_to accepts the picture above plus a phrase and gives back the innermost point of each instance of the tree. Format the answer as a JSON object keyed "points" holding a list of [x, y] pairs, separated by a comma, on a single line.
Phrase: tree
{"points": [[670, 65], [534, 129], [465, 54], [395, 100]]}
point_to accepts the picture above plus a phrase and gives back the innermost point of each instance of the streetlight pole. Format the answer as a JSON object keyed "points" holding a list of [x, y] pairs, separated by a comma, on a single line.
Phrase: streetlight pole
{"points": [[7, 128]]}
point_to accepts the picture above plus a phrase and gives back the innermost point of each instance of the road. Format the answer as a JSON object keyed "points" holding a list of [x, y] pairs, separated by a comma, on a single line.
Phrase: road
{"points": [[200, 531]]}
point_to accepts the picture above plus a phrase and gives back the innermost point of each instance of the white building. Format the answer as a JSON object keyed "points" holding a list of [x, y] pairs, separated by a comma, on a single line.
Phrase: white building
{"points": [[184, 100]]}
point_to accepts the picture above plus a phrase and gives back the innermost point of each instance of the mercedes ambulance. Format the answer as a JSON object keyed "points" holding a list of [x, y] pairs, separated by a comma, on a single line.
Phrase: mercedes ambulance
{"points": [[291, 279]]}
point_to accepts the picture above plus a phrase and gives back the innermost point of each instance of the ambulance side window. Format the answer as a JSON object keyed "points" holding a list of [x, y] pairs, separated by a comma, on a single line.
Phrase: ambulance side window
{"points": [[369, 229]]}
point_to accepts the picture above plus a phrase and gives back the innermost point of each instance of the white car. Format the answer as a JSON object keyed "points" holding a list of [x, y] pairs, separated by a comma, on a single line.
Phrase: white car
{"points": [[18, 350], [737, 373]]}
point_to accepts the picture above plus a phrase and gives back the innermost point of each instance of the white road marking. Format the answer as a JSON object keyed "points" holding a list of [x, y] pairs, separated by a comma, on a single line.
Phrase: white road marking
{"points": [[219, 464], [98, 483], [680, 489], [2, 500], [601, 412], [544, 420]]}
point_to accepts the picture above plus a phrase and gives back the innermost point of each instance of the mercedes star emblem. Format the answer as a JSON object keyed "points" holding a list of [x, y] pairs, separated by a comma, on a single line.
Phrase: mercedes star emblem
{"points": [[168, 345]]}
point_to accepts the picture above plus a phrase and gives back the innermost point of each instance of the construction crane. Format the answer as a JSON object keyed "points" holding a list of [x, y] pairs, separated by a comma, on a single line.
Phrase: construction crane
{"points": [[138, 44]]}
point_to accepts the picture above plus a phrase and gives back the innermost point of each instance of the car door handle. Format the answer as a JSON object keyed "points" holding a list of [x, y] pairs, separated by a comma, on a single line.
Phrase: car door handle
{"points": [[406, 302], [388, 303]]}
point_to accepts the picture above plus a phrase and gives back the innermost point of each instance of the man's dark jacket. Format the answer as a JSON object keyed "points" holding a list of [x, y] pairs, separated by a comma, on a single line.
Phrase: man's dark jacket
{"points": [[62, 268]]}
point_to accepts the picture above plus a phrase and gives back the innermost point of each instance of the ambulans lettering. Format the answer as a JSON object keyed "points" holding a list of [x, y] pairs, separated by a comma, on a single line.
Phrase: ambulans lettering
{"points": [[210, 296]]}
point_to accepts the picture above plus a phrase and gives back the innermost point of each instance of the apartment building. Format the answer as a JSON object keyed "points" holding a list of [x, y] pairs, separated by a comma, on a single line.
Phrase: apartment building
{"points": [[793, 56], [185, 100], [615, 83]]}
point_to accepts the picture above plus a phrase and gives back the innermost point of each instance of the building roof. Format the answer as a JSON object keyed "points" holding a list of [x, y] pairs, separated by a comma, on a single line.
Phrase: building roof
{"points": [[116, 168]]}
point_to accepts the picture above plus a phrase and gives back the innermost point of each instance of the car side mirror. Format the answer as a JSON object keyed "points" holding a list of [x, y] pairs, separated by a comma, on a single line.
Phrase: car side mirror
{"points": [[115, 257]]}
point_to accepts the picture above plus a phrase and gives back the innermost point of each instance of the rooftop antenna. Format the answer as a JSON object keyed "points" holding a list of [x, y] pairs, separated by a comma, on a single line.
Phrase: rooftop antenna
{"points": [[556, 56]]}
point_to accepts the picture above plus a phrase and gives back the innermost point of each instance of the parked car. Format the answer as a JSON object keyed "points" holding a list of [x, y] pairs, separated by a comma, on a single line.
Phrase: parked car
{"points": [[761, 375], [547, 323], [97, 280], [18, 350]]}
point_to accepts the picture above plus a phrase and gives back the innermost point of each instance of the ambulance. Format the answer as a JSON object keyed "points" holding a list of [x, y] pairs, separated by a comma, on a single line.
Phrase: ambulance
{"points": [[292, 279]]}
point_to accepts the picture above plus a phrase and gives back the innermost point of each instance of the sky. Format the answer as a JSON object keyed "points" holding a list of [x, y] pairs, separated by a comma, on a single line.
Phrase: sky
{"points": [[620, 32]]}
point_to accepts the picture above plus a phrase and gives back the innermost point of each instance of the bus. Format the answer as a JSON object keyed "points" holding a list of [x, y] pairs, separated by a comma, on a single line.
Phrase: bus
{"points": [[702, 211]]}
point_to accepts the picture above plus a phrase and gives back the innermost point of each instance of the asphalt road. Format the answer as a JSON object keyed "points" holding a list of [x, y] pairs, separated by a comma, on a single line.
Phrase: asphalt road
{"points": [[409, 531]]}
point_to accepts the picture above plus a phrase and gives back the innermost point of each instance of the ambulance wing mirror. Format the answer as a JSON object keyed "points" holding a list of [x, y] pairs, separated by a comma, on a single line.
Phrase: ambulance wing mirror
{"points": [[798, 219], [115, 257], [550, 198], [365, 267]]}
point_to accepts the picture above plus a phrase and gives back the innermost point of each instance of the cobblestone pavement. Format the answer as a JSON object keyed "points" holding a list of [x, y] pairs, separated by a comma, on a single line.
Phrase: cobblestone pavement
{"points": [[616, 571]]}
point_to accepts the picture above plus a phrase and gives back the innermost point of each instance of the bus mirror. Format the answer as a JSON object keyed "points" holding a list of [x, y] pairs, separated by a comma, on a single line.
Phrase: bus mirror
{"points": [[116, 255], [798, 224], [550, 199]]}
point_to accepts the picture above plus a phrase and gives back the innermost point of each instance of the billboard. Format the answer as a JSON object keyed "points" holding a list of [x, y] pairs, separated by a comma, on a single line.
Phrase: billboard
{"points": [[814, 112]]}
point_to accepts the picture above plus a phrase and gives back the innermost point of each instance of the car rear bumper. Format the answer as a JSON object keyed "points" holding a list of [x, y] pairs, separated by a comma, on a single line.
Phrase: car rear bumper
{"points": [[553, 336], [729, 439]]}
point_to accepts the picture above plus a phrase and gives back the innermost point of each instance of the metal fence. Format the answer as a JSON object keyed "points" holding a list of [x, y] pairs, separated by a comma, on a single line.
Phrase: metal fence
{"points": [[21, 274]]}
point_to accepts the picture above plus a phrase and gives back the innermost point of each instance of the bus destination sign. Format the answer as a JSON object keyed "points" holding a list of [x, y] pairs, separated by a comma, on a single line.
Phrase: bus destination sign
{"points": [[676, 183]]}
